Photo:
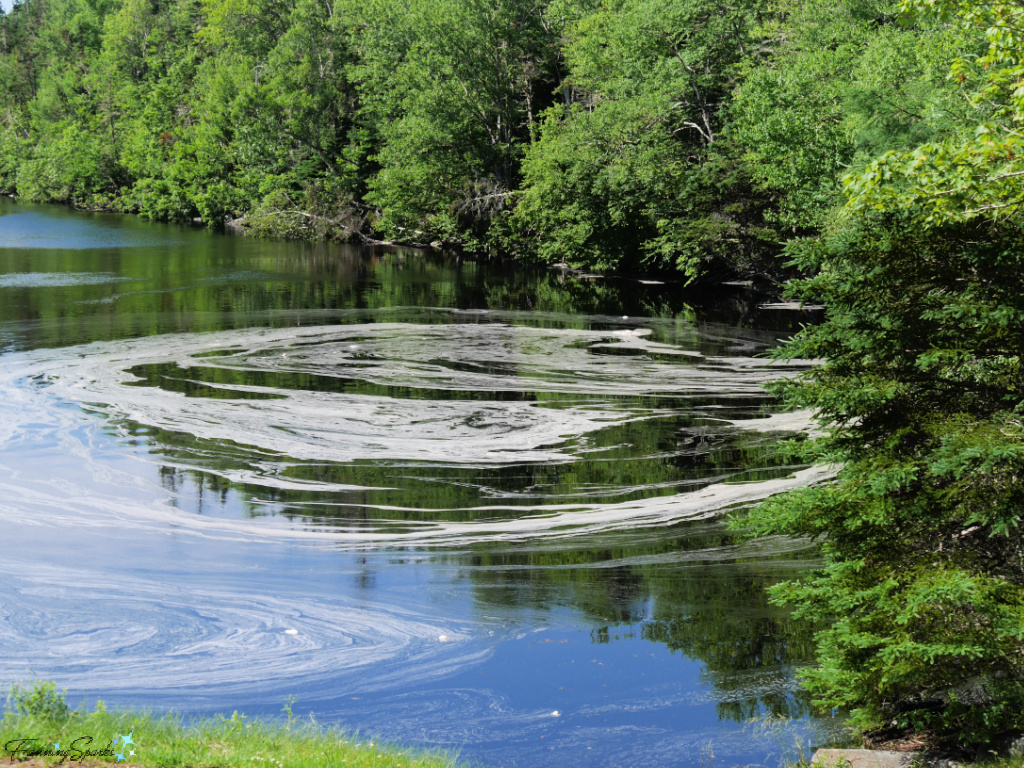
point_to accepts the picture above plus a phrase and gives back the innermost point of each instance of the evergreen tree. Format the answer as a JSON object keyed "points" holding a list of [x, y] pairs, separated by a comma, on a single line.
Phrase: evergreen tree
{"points": [[921, 395]]}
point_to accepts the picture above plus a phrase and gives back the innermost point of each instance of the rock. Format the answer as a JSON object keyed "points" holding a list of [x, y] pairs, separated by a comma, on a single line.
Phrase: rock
{"points": [[977, 691], [862, 758], [235, 225], [1009, 745], [1016, 747]]}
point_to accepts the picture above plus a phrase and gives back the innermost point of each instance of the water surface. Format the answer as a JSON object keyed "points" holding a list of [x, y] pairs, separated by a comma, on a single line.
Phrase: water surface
{"points": [[439, 503]]}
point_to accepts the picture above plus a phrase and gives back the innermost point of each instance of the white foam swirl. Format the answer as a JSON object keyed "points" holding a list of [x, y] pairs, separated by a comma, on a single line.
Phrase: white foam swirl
{"points": [[114, 633], [571, 389]]}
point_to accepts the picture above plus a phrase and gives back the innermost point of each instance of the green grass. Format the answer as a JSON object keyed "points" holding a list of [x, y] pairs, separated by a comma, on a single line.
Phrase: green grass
{"points": [[40, 713], [1002, 762]]}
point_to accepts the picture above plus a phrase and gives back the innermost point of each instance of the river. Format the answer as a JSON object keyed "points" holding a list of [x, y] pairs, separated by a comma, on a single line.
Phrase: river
{"points": [[435, 502]]}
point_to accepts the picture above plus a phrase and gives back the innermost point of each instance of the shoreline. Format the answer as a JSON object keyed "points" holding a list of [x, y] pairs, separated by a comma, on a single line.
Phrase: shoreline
{"points": [[41, 731]]}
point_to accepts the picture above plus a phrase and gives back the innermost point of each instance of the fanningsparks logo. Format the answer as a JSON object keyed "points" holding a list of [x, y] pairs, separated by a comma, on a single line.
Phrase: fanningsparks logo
{"points": [[124, 742], [121, 747]]}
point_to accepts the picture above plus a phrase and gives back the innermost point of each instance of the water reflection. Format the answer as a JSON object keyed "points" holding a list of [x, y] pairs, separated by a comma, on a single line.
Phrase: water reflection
{"points": [[171, 279], [220, 439], [717, 612]]}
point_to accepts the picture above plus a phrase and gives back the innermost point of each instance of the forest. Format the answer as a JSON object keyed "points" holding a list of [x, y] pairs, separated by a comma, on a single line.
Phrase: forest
{"points": [[689, 137], [866, 152]]}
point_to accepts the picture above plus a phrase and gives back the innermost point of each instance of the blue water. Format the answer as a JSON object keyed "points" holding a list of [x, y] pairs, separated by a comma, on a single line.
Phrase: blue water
{"points": [[435, 503]]}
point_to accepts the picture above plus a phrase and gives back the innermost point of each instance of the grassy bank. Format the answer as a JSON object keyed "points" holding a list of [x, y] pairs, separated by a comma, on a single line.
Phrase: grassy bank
{"points": [[39, 725]]}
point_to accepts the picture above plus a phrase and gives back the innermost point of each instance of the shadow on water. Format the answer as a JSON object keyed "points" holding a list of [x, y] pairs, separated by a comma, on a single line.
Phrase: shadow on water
{"points": [[120, 277]]}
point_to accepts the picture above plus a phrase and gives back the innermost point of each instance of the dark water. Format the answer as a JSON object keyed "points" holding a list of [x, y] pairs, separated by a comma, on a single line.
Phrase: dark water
{"points": [[439, 503]]}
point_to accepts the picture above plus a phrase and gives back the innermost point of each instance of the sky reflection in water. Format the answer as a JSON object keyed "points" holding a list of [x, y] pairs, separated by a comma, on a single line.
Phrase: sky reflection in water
{"points": [[480, 497]]}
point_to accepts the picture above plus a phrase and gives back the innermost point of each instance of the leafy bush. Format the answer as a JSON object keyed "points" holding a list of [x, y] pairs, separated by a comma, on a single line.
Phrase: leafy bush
{"points": [[70, 166], [41, 700]]}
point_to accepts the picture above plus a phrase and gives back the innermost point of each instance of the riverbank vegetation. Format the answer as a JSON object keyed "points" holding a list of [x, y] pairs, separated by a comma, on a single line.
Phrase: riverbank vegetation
{"points": [[39, 725], [689, 136]]}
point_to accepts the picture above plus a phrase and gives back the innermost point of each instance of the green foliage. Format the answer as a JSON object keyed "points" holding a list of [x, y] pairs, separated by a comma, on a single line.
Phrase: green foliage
{"points": [[922, 397], [677, 136], [67, 168], [175, 109], [41, 701], [14, 148], [619, 175], [319, 213], [450, 88], [844, 84]]}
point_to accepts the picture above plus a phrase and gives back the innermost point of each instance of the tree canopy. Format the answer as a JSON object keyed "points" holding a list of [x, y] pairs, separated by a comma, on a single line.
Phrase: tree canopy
{"points": [[683, 136]]}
